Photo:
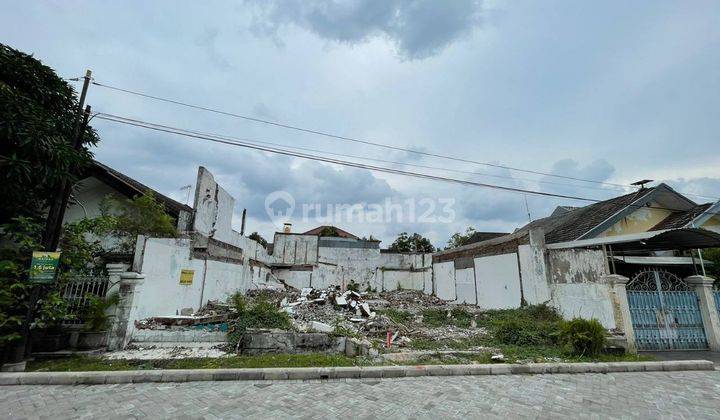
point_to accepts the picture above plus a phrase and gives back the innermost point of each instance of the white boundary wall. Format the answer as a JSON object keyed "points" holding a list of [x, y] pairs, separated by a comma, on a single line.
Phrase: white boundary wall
{"points": [[498, 281]]}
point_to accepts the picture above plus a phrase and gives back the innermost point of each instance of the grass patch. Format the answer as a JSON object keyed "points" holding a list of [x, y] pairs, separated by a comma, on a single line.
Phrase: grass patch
{"points": [[76, 364], [397, 315], [466, 344], [341, 331], [459, 317]]}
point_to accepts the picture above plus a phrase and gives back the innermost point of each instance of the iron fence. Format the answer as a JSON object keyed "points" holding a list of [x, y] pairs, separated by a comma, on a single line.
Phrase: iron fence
{"points": [[78, 291]]}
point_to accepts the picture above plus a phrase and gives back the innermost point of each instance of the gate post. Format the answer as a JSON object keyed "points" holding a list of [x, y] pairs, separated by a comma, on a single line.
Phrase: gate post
{"points": [[128, 281], [618, 284], [706, 302]]}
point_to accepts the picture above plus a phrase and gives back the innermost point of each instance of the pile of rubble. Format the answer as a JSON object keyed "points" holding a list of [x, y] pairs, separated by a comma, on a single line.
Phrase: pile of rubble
{"points": [[364, 316]]}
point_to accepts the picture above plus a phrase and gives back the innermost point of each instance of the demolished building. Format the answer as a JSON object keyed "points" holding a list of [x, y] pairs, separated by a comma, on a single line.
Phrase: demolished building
{"points": [[571, 260]]}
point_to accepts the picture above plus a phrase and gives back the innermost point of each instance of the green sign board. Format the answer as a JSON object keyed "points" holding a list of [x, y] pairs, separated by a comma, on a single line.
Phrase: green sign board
{"points": [[43, 267]]}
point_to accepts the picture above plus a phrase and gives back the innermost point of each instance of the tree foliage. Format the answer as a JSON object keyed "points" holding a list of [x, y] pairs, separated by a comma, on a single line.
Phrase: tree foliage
{"points": [[460, 239], [37, 120], [411, 243], [259, 239], [86, 242], [329, 231], [712, 255]]}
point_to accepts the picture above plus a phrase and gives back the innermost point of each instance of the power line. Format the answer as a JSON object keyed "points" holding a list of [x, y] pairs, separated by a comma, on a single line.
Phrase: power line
{"points": [[351, 139], [249, 144], [330, 135], [219, 139], [399, 163]]}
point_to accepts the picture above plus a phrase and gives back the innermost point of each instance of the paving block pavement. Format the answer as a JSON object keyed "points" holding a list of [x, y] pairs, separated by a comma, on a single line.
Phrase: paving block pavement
{"points": [[325, 373], [642, 395]]}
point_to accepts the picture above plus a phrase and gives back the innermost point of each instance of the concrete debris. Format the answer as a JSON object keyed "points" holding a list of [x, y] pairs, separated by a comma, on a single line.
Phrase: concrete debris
{"points": [[365, 315], [321, 327]]}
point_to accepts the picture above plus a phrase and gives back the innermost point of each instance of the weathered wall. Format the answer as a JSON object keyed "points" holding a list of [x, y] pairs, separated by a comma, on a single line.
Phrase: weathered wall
{"points": [[577, 285], [297, 278], [712, 224], [213, 206], [533, 271], [641, 220], [295, 249], [497, 280], [577, 265], [162, 260], [585, 300]]}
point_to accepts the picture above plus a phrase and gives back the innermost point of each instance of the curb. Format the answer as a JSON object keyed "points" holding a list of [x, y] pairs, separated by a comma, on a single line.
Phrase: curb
{"points": [[356, 372]]}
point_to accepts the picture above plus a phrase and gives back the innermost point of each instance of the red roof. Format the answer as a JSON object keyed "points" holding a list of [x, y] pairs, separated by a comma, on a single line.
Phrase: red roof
{"points": [[340, 233]]}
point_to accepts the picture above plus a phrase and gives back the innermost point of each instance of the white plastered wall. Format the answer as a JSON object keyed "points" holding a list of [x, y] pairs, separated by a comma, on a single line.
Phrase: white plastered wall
{"points": [[444, 280], [498, 281]]}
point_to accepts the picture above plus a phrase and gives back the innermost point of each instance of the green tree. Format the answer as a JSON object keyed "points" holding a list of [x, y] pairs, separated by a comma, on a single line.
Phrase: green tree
{"points": [[329, 231], [22, 236], [37, 120], [141, 215], [459, 239], [259, 239], [411, 243], [712, 255]]}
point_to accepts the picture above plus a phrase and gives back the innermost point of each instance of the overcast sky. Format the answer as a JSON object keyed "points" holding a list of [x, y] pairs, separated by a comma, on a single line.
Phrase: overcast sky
{"points": [[612, 91]]}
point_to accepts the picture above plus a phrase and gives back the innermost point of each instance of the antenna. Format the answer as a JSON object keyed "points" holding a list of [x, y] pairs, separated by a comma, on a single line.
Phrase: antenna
{"points": [[188, 188], [642, 183], [527, 208]]}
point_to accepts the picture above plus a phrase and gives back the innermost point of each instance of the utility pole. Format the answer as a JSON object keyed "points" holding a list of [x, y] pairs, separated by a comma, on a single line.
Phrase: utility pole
{"points": [[53, 224], [56, 214]]}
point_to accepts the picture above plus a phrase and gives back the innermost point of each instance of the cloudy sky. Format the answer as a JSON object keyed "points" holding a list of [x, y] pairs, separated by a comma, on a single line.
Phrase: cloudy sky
{"points": [[611, 91]]}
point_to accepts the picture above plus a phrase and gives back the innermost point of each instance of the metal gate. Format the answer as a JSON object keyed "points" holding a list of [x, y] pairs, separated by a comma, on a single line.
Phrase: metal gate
{"points": [[665, 312]]}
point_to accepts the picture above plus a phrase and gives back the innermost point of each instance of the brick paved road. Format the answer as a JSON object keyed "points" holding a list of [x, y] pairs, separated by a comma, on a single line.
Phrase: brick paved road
{"points": [[640, 395]]}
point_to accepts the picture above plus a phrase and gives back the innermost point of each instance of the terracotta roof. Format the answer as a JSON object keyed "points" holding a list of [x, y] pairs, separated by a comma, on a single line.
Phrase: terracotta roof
{"points": [[681, 219], [131, 187], [340, 233]]}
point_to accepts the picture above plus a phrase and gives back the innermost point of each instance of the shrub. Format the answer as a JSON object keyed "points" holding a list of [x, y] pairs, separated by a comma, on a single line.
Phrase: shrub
{"points": [[582, 336], [527, 326], [352, 286], [96, 316], [523, 331], [261, 314]]}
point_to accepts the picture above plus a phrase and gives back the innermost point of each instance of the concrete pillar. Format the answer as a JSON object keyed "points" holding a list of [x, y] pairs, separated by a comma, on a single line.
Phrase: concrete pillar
{"points": [[127, 287], [618, 284], [706, 301]]}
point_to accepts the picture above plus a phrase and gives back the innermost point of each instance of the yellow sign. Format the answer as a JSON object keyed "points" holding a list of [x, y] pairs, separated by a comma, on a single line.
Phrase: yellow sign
{"points": [[186, 277]]}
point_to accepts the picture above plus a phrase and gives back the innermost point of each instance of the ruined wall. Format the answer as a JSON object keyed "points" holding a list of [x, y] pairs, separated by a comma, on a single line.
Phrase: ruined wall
{"points": [[162, 260], [295, 249], [213, 206]]}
